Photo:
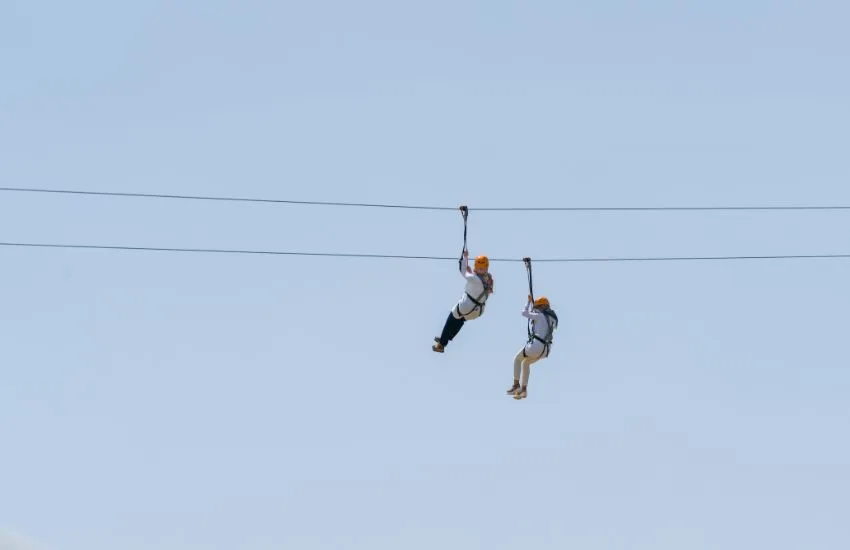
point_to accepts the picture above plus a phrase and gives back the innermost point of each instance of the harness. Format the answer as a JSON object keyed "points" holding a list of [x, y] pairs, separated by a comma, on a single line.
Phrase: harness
{"points": [[552, 319], [479, 301]]}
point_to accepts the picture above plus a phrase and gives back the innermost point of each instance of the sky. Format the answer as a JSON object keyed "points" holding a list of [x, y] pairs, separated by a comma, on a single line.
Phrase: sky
{"points": [[194, 401]]}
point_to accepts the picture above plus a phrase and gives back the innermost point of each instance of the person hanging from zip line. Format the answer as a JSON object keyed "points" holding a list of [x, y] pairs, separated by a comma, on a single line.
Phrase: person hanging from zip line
{"points": [[542, 323], [479, 286]]}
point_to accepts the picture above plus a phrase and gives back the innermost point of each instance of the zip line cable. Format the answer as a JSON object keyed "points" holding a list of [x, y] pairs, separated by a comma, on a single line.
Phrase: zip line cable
{"points": [[402, 257], [424, 207], [464, 210], [220, 199]]}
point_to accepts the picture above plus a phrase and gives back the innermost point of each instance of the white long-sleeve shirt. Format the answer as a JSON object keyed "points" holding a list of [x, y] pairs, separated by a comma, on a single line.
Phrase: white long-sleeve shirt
{"points": [[475, 288], [539, 321]]}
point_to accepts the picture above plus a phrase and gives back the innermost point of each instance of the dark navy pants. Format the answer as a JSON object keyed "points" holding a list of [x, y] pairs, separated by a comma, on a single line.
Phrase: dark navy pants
{"points": [[451, 328]]}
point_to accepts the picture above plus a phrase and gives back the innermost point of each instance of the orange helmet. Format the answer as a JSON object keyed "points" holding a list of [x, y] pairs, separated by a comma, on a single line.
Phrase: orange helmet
{"points": [[541, 302], [482, 263]]}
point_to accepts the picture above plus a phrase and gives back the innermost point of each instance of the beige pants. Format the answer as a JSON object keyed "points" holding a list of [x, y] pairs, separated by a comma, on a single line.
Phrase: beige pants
{"points": [[527, 356]]}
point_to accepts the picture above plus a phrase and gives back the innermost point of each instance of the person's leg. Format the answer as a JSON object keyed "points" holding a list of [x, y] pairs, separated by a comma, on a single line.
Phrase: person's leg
{"points": [[450, 330], [526, 371], [517, 368], [533, 352]]}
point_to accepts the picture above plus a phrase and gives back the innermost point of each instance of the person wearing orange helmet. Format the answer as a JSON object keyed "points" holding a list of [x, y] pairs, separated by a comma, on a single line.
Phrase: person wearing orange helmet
{"points": [[542, 322], [479, 286]]}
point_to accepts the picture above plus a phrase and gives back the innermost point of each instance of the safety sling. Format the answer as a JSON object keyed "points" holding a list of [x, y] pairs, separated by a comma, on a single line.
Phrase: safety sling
{"points": [[480, 299], [551, 318]]}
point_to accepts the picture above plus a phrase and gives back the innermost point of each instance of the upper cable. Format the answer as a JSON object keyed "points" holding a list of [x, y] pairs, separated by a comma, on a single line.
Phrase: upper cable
{"points": [[424, 207]]}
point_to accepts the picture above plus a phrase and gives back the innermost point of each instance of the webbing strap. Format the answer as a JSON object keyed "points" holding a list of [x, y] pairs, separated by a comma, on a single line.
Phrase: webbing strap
{"points": [[530, 291], [465, 213], [531, 335], [528, 268], [546, 348], [478, 305]]}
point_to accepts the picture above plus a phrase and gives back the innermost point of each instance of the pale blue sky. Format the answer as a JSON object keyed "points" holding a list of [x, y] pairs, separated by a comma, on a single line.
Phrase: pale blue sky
{"points": [[184, 402]]}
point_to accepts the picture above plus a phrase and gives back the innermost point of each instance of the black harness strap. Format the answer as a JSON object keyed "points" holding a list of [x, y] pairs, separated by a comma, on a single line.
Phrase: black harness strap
{"points": [[550, 315], [477, 301], [465, 213], [528, 268], [527, 261]]}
